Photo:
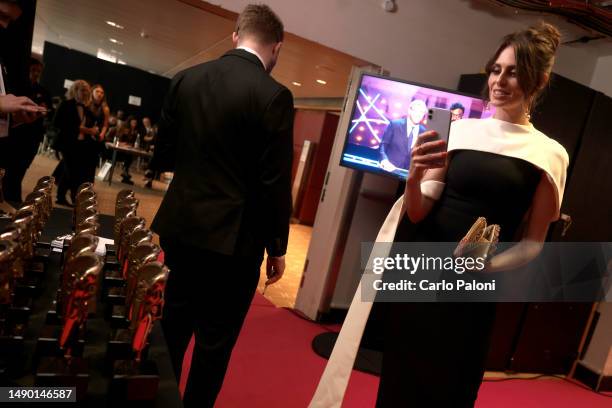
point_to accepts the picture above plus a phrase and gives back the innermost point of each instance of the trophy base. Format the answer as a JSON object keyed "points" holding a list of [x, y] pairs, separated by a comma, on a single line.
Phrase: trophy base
{"points": [[48, 343], [36, 270], [111, 251], [133, 381], [112, 279], [115, 297], [119, 346], [42, 252], [28, 286], [111, 263], [19, 311], [118, 318], [12, 346], [53, 318], [63, 372]]}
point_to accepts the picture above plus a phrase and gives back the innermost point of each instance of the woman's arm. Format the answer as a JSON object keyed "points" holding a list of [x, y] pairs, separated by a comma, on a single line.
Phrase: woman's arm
{"points": [[542, 213], [106, 111], [83, 130]]}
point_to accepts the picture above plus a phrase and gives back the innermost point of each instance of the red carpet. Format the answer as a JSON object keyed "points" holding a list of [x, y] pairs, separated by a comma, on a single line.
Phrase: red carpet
{"points": [[273, 365]]}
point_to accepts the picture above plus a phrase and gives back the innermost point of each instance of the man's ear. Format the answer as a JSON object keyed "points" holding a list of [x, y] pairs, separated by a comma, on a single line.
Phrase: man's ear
{"points": [[276, 49], [235, 39]]}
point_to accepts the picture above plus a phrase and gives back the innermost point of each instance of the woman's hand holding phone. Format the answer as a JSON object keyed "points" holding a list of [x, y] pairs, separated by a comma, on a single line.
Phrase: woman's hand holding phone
{"points": [[428, 153]]}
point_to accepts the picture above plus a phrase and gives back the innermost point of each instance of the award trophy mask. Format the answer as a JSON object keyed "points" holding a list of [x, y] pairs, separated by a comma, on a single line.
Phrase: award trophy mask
{"points": [[26, 219], [84, 271], [128, 208], [148, 303], [136, 238], [88, 227], [87, 186], [144, 253], [123, 195], [8, 250], [127, 227], [16, 233], [81, 244]]}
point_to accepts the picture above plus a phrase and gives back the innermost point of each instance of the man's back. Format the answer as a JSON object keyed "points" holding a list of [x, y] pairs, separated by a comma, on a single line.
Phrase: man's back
{"points": [[228, 126]]}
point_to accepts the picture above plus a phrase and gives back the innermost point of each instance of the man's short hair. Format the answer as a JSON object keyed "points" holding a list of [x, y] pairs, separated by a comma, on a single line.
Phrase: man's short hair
{"points": [[457, 105], [259, 21]]}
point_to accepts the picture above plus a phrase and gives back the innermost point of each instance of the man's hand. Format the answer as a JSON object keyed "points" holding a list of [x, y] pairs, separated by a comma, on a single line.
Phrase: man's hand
{"points": [[275, 267], [387, 165], [21, 117], [19, 104]]}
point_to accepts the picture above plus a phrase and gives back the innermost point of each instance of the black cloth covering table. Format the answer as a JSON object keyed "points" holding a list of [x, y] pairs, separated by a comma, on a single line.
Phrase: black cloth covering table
{"points": [[98, 331]]}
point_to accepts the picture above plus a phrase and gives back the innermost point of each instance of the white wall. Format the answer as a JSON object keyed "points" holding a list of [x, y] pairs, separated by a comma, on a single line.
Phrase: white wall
{"points": [[602, 77], [431, 41]]}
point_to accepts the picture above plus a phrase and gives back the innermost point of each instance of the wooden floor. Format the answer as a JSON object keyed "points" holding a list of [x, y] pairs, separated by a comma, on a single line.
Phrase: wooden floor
{"points": [[282, 294]]}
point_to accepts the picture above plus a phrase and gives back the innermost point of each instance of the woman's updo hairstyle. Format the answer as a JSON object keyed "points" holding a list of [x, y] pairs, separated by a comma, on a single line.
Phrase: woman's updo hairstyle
{"points": [[534, 49]]}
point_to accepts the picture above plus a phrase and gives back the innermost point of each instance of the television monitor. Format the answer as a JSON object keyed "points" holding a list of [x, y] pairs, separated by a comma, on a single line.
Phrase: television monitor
{"points": [[382, 107]]}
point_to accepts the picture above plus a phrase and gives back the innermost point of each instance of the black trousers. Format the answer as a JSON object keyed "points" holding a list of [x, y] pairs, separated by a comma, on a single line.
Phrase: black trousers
{"points": [[207, 294], [18, 152]]}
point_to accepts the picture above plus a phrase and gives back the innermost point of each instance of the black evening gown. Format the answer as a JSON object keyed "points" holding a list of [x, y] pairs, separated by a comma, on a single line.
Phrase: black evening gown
{"points": [[434, 353]]}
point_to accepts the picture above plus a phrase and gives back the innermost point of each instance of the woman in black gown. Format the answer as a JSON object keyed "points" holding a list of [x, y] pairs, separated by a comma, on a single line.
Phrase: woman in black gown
{"points": [[435, 352]]}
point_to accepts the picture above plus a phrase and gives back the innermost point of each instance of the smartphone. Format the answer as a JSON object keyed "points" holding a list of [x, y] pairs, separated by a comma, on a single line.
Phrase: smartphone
{"points": [[439, 120]]}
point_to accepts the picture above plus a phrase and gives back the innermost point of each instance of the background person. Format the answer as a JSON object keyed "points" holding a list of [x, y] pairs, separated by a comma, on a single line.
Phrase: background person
{"points": [[400, 136], [71, 139]]}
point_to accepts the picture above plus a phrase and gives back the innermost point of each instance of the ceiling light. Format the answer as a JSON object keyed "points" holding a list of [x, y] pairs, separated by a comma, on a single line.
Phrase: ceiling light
{"points": [[115, 41], [113, 24], [322, 82], [296, 83], [106, 56], [122, 62]]}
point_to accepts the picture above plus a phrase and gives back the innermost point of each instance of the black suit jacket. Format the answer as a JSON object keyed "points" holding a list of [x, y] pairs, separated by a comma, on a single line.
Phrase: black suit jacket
{"points": [[394, 144], [226, 129]]}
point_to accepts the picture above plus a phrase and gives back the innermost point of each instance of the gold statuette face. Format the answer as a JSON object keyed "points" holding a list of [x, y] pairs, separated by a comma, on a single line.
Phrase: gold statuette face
{"points": [[122, 213], [16, 234], [83, 272], [127, 227], [137, 237], [8, 250], [142, 254], [26, 219], [148, 303]]}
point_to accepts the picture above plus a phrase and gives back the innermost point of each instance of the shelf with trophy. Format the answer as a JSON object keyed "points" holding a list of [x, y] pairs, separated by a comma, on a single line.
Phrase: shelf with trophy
{"points": [[78, 312]]}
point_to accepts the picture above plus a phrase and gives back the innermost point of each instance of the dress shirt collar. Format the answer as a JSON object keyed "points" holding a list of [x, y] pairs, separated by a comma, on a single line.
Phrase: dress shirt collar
{"points": [[252, 51]]}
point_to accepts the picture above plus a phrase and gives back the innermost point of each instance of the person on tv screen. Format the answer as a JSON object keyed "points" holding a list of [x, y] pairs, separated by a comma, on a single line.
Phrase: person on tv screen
{"points": [[457, 111], [400, 136]]}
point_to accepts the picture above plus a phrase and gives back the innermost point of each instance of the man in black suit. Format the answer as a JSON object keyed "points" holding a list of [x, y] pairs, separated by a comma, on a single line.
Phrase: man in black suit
{"points": [[400, 136], [226, 130]]}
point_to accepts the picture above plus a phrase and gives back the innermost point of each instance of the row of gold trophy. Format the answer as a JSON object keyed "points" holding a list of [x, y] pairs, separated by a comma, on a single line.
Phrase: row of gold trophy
{"points": [[61, 343], [22, 266], [128, 281], [134, 284]]}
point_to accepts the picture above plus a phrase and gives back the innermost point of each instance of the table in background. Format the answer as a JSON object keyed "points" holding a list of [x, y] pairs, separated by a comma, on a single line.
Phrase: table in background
{"points": [[127, 150]]}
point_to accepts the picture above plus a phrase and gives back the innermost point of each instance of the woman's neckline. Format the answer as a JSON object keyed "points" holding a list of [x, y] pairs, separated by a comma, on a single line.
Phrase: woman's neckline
{"points": [[529, 125]]}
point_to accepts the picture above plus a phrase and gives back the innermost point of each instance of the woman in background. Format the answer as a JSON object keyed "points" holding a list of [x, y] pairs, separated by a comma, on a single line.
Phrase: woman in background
{"points": [[501, 168], [69, 120]]}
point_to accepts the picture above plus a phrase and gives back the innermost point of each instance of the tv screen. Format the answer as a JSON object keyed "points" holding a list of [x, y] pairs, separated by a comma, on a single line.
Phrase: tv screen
{"points": [[388, 112]]}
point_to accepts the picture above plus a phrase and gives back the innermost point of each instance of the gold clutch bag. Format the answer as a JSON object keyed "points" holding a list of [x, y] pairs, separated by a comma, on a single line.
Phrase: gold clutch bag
{"points": [[479, 242]]}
